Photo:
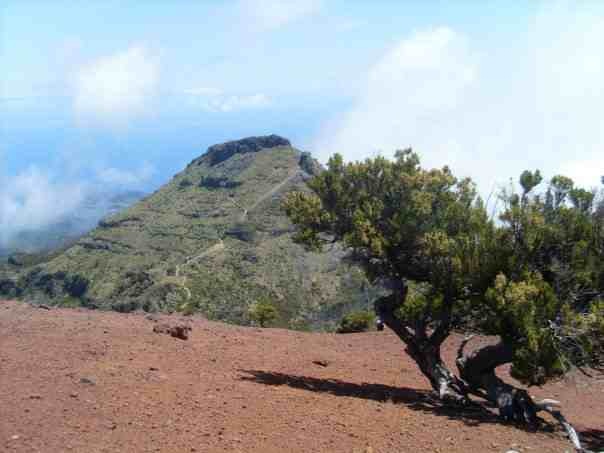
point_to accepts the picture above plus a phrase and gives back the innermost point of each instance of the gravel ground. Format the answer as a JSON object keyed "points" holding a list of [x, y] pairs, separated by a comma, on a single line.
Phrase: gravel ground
{"points": [[84, 381]]}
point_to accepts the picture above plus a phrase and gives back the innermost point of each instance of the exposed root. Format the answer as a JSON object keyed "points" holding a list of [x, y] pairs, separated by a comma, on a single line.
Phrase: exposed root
{"points": [[547, 405], [514, 404]]}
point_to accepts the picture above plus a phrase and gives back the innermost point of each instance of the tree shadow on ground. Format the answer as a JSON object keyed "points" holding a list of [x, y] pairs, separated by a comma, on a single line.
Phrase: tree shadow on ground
{"points": [[416, 399], [592, 439]]}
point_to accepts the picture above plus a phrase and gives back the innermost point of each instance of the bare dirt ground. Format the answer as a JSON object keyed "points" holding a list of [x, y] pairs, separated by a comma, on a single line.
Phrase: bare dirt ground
{"points": [[83, 381]]}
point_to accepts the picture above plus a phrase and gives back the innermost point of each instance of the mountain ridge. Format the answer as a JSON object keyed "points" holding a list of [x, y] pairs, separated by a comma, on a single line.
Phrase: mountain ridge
{"points": [[214, 240]]}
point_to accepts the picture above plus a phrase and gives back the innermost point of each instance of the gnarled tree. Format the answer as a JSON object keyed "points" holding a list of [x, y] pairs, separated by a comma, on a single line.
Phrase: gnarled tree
{"points": [[535, 278]]}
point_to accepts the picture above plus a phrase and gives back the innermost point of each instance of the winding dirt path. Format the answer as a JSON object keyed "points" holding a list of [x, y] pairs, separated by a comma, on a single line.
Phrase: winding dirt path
{"points": [[209, 251], [267, 195], [219, 246]]}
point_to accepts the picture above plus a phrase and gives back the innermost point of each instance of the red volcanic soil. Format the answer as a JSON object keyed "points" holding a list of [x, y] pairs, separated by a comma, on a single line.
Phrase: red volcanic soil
{"points": [[85, 381]]}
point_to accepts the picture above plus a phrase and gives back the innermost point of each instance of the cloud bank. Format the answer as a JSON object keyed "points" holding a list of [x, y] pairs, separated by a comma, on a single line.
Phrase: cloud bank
{"points": [[538, 104], [34, 200]]}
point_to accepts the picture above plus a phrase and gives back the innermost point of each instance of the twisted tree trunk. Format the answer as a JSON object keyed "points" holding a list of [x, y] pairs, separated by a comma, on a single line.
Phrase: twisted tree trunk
{"points": [[478, 371], [423, 349]]}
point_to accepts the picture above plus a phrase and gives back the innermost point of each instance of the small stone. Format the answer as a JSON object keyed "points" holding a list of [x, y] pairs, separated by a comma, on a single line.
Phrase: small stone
{"points": [[35, 397], [73, 395], [322, 363], [152, 368], [180, 331], [15, 437], [87, 381]]}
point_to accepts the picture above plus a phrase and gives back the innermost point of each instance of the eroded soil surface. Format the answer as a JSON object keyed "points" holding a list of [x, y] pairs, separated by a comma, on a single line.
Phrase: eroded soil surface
{"points": [[84, 381]]}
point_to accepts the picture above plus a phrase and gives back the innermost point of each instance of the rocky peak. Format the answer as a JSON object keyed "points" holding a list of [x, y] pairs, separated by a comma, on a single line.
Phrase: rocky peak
{"points": [[223, 151]]}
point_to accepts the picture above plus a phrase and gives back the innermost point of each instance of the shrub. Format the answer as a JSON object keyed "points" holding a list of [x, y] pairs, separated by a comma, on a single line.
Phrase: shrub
{"points": [[75, 285], [221, 182], [263, 313], [356, 321], [183, 184], [243, 231]]}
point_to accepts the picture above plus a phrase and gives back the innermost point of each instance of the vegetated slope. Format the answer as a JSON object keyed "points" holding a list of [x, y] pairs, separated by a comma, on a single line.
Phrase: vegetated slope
{"points": [[214, 239], [88, 381]]}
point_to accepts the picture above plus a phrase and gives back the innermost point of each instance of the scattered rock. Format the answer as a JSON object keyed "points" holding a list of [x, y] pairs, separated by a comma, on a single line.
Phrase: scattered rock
{"points": [[180, 331], [87, 381]]}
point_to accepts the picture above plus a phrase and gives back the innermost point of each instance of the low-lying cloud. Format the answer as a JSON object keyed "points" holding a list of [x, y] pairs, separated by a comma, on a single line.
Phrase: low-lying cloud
{"points": [[34, 200]]}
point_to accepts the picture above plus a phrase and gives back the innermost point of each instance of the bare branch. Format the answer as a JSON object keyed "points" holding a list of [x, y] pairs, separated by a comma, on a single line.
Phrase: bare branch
{"points": [[546, 405]]}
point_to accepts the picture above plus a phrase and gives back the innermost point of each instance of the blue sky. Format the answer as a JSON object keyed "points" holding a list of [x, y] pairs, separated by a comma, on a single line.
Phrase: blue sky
{"points": [[122, 94]]}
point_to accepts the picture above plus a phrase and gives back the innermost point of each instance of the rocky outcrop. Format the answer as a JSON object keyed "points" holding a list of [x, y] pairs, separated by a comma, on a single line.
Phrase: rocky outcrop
{"points": [[223, 151], [309, 164]]}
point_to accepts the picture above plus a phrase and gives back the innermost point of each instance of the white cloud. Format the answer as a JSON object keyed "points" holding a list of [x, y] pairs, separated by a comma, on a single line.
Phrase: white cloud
{"points": [[264, 15], [588, 172], [117, 87], [537, 104], [415, 87], [120, 178], [214, 100], [33, 200]]}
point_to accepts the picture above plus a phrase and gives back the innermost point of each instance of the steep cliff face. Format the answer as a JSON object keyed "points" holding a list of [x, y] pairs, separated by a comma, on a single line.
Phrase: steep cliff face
{"points": [[214, 239]]}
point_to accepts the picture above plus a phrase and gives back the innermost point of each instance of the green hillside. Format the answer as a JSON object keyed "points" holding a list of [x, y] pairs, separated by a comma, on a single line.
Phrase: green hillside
{"points": [[214, 240]]}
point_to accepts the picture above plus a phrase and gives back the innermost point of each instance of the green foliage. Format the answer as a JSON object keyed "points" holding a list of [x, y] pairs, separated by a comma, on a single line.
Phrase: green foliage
{"points": [[555, 248], [263, 312], [243, 231], [530, 180], [220, 182], [208, 249], [536, 279], [521, 311], [75, 285], [357, 321], [403, 223], [184, 183]]}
